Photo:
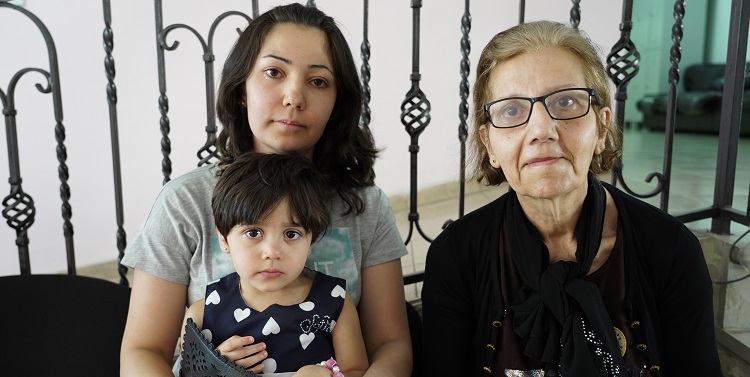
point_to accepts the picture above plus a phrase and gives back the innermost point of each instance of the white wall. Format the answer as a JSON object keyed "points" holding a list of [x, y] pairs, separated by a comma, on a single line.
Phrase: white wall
{"points": [[77, 25]]}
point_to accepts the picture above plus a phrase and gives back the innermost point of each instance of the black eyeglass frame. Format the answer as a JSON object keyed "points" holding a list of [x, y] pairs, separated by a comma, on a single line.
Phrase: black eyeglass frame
{"points": [[592, 93]]}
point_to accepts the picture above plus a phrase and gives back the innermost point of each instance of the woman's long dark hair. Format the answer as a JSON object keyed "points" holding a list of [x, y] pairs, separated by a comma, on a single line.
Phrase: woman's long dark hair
{"points": [[346, 151]]}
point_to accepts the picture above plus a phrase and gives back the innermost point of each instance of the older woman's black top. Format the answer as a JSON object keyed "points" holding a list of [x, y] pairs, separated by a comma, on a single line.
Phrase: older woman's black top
{"points": [[670, 315]]}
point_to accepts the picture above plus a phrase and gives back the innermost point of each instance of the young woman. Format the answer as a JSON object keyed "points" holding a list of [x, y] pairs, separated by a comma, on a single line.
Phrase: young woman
{"points": [[564, 275], [288, 86]]}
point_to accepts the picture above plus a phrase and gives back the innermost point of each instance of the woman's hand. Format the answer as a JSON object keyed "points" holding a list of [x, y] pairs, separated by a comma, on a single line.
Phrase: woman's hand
{"points": [[313, 371], [242, 351]]}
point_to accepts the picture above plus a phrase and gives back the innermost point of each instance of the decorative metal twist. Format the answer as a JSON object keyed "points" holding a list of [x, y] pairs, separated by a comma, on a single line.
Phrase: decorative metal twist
{"points": [[622, 65], [19, 207], [109, 69], [164, 123], [62, 173], [575, 14], [365, 70], [208, 153], [415, 116], [675, 55], [463, 107]]}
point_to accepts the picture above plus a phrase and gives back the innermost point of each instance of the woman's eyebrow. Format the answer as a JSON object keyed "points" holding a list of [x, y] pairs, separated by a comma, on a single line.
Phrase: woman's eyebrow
{"points": [[287, 61]]}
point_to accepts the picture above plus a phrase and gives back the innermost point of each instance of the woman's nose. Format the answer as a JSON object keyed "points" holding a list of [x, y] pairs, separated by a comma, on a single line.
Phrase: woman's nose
{"points": [[541, 125], [294, 95]]}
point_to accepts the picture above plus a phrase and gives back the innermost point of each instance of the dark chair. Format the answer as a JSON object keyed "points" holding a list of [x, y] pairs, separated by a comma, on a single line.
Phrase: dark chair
{"points": [[415, 328], [61, 325]]}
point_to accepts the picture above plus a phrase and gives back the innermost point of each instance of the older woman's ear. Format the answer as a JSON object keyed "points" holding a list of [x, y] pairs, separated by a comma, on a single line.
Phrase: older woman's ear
{"points": [[484, 135], [605, 121]]}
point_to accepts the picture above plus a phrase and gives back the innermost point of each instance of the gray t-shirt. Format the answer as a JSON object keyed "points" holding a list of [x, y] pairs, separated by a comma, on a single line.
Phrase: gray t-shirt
{"points": [[178, 242]]}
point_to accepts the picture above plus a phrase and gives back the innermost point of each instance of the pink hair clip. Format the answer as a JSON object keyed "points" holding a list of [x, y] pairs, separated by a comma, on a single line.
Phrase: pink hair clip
{"points": [[333, 367]]}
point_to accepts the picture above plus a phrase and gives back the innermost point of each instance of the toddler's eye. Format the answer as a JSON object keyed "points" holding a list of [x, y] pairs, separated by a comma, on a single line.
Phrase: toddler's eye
{"points": [[253, 233], [292, 234]]}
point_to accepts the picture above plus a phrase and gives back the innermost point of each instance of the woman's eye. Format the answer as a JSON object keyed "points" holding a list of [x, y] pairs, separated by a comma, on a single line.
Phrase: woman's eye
{"points": [[319, 83], [564, 102], [253, 233], [510, 112], [273, 72]]}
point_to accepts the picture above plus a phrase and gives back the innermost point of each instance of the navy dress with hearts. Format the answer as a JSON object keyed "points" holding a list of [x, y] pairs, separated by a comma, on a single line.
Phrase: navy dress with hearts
{"points": [[295, 335]]}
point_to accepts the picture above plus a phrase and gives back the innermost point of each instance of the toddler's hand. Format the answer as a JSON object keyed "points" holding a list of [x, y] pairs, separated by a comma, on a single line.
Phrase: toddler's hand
{"points": [[242, 351]]}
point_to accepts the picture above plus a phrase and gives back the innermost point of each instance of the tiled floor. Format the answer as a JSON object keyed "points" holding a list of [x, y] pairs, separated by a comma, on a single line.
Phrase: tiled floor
{"points": [[694, 164]]}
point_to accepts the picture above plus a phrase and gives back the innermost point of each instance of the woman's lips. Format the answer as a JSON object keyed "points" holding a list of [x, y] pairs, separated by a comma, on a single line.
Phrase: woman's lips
{"points": [[541, 161], [289, 123]]}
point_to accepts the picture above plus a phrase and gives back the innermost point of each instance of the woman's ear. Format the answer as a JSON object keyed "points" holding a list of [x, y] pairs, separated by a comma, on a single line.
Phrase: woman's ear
{"points": [[222, 242], [604, 122], [484, 135]]}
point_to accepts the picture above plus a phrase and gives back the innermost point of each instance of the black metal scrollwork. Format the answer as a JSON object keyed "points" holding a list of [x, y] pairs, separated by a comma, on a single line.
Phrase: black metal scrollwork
{"points": [[575, 14], [622, 66], [463, 107], [415, 116], [19, 209], [208, 152], [365, 70], [109, 69]]}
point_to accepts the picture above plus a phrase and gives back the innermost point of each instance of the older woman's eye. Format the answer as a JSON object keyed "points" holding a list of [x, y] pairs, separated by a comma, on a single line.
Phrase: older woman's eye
{"points": [[565, 102], [511, 109], [511, 112]]}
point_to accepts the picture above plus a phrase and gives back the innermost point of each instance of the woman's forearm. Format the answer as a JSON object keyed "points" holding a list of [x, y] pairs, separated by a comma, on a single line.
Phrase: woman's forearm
{"points": [[144, 363], [392, 359]]}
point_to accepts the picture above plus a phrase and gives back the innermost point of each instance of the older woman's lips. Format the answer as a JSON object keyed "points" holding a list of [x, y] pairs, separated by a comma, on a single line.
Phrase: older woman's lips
{"points": [[541, 161]]}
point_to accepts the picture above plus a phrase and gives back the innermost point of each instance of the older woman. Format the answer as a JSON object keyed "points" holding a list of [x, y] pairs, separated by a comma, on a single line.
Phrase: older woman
{"points": [[564, 275]]}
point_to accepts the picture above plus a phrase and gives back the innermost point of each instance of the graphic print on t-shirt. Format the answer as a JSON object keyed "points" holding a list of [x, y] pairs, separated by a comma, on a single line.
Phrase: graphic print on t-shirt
{"points": [[331, 255]]}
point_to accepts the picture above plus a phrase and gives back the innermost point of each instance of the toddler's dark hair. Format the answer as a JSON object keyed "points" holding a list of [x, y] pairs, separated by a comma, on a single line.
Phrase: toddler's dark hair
{"points": [[255, 183]]}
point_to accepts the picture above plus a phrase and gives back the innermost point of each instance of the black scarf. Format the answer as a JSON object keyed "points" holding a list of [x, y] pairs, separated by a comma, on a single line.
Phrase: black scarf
{"points": [[560, 316]]}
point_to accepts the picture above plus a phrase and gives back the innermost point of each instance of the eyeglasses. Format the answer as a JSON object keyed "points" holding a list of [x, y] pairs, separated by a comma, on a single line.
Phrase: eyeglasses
{"points": [[564, 104]]}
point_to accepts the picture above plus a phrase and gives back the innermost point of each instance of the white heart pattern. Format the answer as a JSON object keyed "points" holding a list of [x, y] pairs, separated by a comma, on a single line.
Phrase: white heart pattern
{"points": [[307, 306], [269, 366], [271, 327], [240, 314], [306, 339], [208, 334], [338, 292], [213, 298]]}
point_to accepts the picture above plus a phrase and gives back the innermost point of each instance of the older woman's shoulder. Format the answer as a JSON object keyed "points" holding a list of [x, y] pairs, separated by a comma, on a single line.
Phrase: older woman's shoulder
{"points": [[656, 229], [638, 209]]}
